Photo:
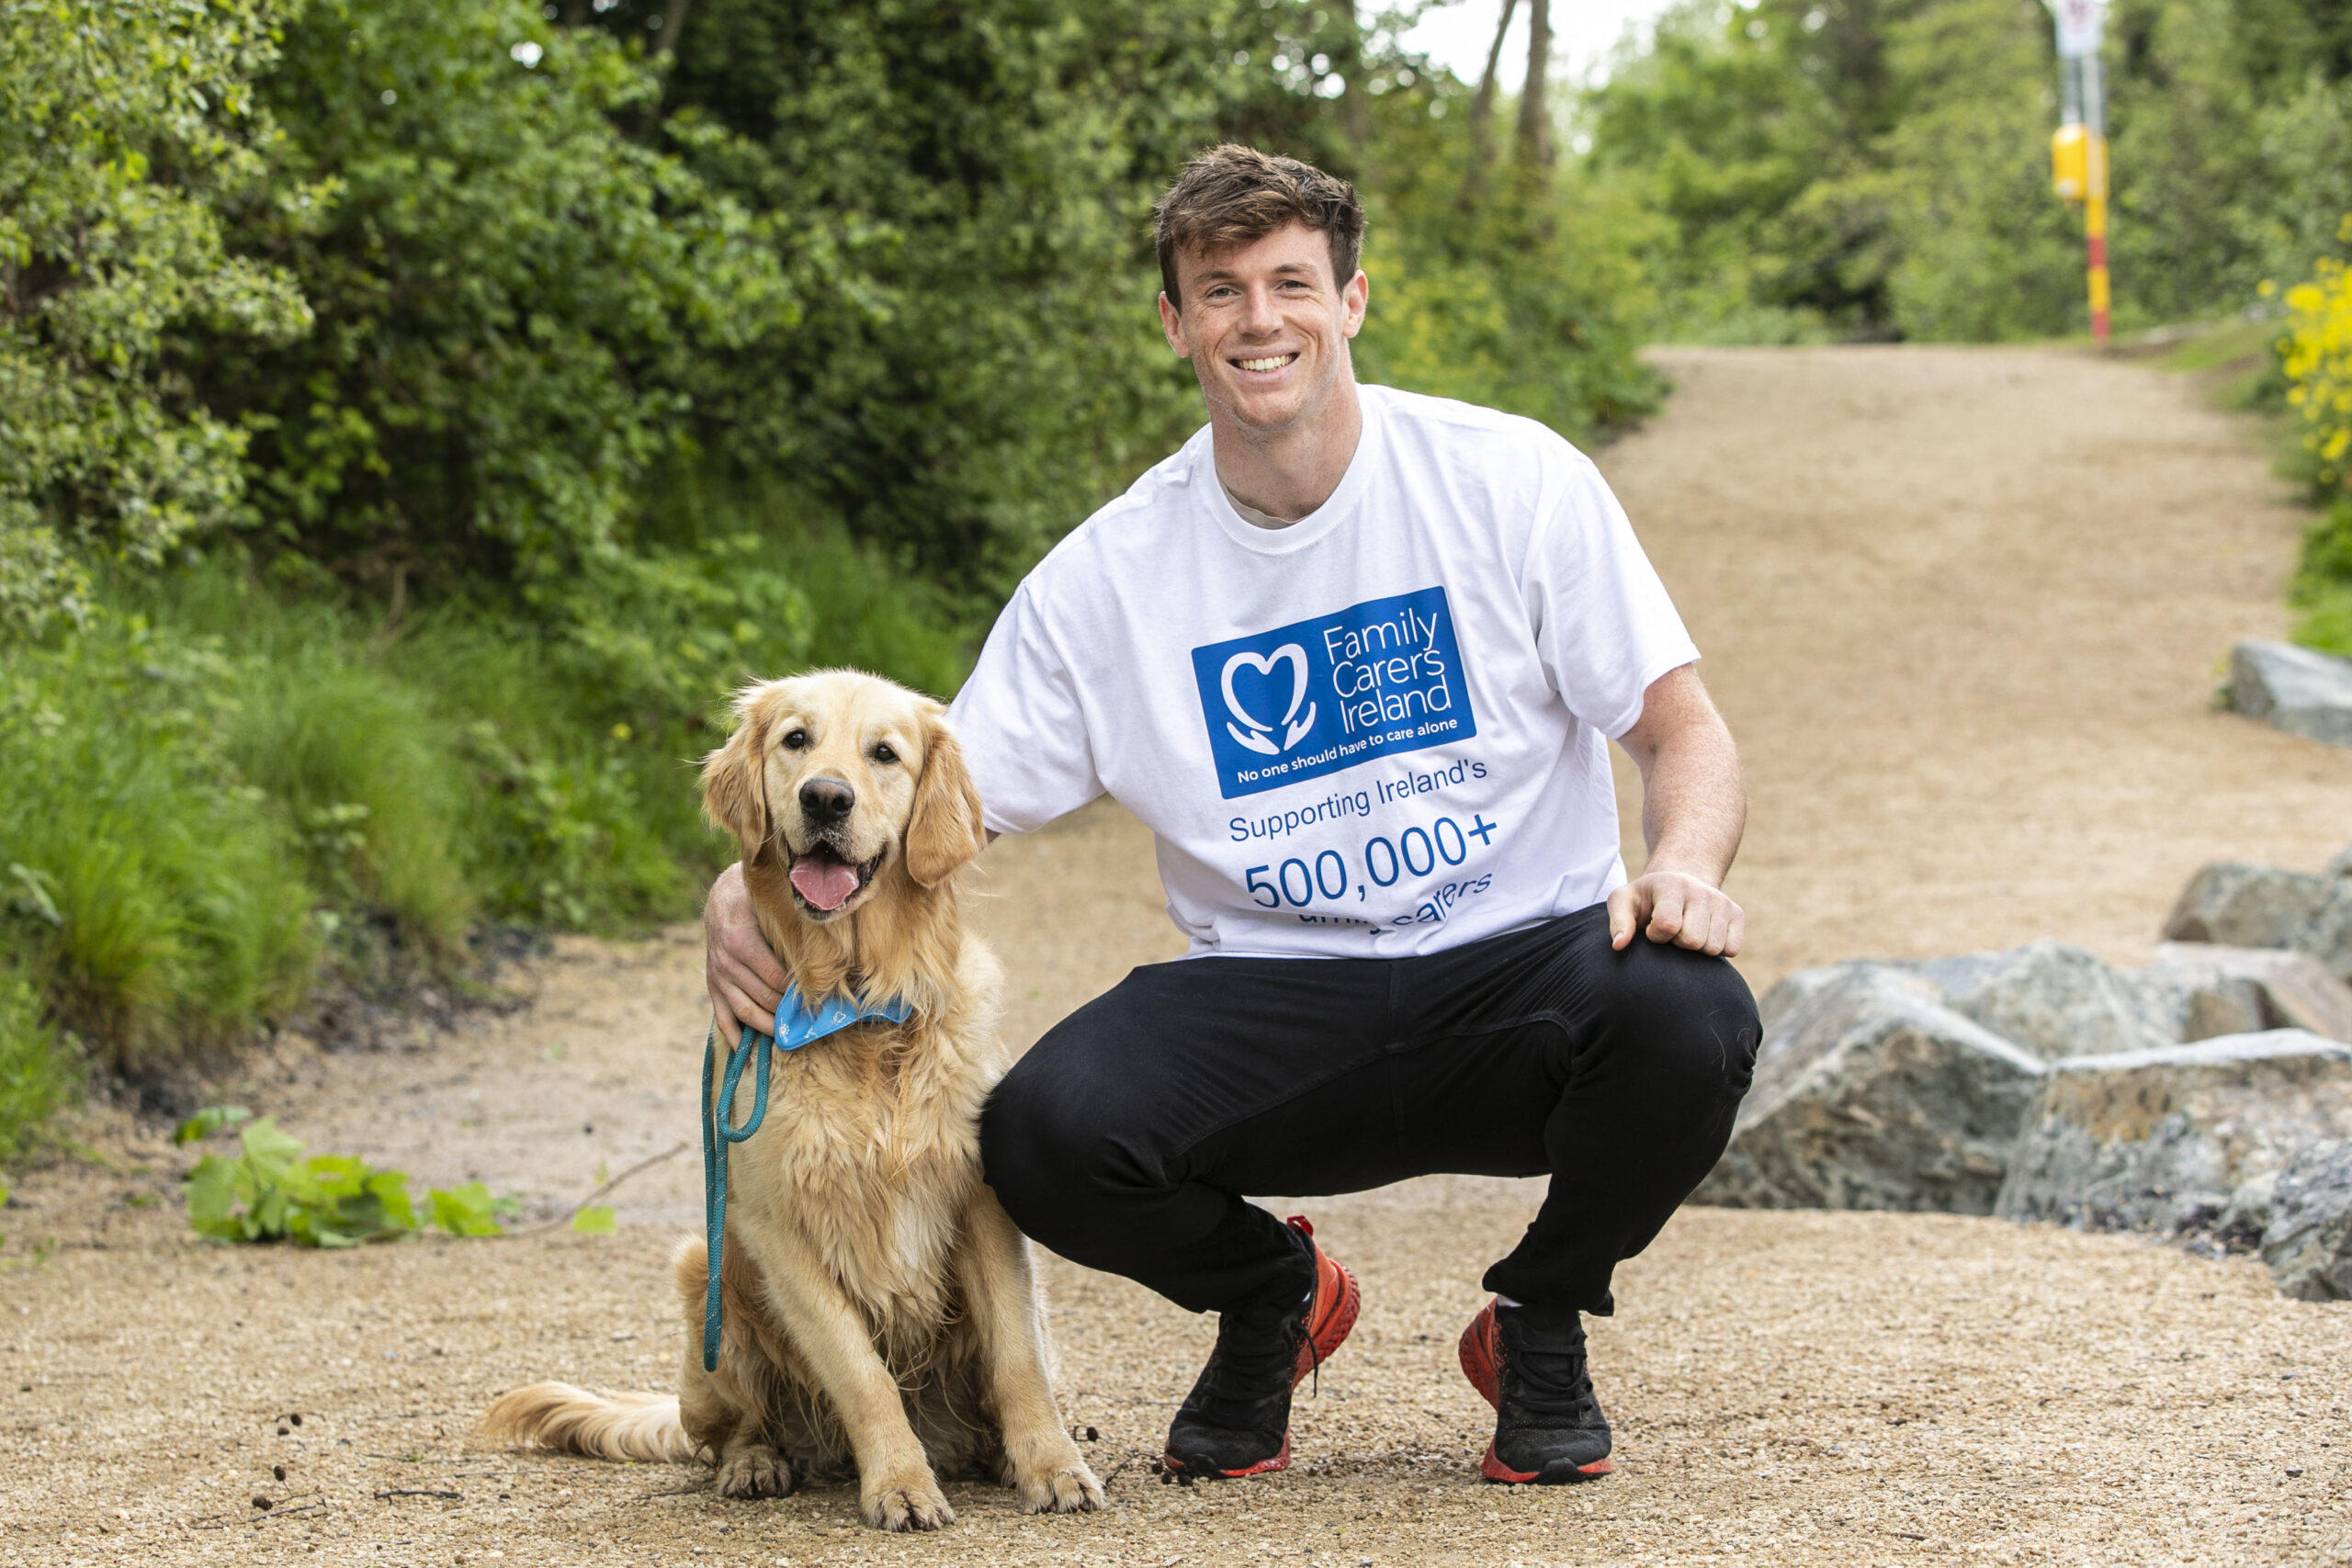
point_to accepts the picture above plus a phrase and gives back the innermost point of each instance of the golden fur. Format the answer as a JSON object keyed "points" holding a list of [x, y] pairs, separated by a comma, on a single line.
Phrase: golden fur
{"points": [[882, 1316]]}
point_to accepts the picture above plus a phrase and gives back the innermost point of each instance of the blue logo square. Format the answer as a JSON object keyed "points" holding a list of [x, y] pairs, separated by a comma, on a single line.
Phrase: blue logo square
{"points": [[1323, 694]]}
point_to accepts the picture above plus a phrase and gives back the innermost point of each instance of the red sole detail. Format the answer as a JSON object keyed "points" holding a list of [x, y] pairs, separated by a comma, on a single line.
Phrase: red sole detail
{"points": [[1493, 1469], [1263, 1467]]}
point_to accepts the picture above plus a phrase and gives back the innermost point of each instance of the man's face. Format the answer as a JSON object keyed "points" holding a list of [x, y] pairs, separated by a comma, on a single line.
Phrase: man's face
{"points": [[1266, 326]]}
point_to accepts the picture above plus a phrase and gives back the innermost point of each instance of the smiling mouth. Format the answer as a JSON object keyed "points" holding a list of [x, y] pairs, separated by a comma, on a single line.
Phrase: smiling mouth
{"points": [[1266, 364], [822, 881]]}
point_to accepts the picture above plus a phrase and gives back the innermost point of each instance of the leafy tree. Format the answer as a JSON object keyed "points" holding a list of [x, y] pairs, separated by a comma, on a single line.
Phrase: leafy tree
{"points": [[1880, 167], [124, 125], [518, 303]]}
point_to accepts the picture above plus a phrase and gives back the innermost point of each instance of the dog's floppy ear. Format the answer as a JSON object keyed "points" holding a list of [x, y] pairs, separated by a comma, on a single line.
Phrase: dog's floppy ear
{"points": [[944, 834], [734, 786]]}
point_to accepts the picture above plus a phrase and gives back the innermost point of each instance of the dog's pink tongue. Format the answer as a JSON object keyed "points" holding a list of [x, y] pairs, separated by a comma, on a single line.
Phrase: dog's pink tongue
{"points": [[824, 881]]}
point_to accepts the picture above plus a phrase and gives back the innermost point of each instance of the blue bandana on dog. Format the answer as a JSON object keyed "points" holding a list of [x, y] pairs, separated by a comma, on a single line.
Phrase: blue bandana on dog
{"points": [[799, 1024], [796, 1025]]}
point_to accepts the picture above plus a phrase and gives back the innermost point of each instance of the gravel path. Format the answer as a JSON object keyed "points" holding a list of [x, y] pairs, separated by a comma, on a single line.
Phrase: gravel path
{"points": [[1969, 659]]}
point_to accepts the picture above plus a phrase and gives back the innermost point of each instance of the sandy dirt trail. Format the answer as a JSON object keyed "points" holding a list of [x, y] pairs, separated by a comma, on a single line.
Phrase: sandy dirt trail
{"points": [[1964, 609]]}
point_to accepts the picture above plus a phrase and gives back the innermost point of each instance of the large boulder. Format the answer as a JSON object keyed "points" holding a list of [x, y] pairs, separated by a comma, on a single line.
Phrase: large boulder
{"points": [[2296, 689], [2308, 1242], [2200, 990], [2162, 1140], [2053, 999], [2237, 905], [1870, 1093]]}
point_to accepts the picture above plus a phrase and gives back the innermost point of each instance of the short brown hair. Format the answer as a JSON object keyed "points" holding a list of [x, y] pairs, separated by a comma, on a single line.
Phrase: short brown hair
{"points": [[1232, 196]]}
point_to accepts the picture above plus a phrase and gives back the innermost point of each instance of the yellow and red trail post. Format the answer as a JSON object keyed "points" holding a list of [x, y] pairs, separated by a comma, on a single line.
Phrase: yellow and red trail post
{"points": [[2078, 153]]}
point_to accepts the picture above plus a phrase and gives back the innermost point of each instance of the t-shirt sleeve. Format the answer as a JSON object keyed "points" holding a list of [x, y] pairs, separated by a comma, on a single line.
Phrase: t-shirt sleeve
{"points": [[1022, 725], [1604, 626]]}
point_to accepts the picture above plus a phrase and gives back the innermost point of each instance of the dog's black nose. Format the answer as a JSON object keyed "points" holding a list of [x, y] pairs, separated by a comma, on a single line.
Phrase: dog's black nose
{"points": [[826, 800]]}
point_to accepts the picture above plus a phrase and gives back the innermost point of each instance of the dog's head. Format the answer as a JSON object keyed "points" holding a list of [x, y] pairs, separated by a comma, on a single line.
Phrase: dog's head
{"points": [[842, 779]]}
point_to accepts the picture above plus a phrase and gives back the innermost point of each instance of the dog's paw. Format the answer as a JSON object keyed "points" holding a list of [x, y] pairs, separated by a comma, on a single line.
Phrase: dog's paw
{"points": [[1066, 1489], [754, 1472], [907, 1502]]}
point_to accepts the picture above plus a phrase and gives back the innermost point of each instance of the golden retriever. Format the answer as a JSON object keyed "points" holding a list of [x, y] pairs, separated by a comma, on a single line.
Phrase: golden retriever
{"points": [[882, 1314]]}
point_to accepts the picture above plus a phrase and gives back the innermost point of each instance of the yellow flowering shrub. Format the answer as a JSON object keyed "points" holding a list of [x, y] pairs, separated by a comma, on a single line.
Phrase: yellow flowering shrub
{"points": [[2316, 354]]}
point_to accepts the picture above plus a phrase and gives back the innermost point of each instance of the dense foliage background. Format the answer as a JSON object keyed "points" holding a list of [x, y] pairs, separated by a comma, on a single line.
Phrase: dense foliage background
{"points": [[416, 416], [1880, 168]]}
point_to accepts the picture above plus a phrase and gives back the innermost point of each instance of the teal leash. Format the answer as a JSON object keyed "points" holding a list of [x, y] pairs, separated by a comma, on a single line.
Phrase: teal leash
{"points": [[716, 1135], [796, 1025]]}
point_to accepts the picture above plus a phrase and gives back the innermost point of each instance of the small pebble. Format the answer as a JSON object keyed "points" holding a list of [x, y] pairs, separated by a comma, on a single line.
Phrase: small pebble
{"points": [[263, 1503], [295, 1416], [284, 1433], [1092, 1436], [278, 1471]]}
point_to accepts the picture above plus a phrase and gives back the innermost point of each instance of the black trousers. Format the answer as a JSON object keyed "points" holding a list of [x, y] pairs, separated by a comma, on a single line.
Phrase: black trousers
{"points": [[1127, 1136]]}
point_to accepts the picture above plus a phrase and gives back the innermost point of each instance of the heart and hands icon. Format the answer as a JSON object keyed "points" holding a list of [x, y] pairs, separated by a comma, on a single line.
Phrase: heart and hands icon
{"points": [[1258, 736]]}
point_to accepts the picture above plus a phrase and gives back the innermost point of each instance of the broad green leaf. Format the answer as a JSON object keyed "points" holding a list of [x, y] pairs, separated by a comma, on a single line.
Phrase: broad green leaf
{"points": [[463, 1209], [272, 1150], [209, 1120], [596, 1219], [211, 1195], [390, 1188]]}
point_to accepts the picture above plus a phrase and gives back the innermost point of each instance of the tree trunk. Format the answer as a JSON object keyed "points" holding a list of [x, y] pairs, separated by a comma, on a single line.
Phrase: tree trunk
{"points": [[673, 17], [1482, 112], [1535, 106], [1355, 109]]}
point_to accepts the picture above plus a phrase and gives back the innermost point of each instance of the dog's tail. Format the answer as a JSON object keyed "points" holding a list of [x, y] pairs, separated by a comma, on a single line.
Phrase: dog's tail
{"points": [[643, 1426]]}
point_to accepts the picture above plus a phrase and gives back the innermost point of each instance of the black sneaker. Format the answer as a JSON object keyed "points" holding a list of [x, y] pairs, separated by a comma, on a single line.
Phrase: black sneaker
{"points": [[1235, 1421], [1529, 1363]]}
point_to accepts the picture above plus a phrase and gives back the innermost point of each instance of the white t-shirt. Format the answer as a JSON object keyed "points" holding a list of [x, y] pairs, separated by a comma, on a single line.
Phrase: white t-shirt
{"points": [[1382, 730]]}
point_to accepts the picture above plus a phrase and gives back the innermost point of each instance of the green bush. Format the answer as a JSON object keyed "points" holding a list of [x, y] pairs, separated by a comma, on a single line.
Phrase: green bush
{"points": [[124, 130], [2322, 588]]}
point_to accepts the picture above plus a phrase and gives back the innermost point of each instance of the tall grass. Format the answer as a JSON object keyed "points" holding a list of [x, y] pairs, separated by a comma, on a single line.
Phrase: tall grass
{"points": [[160, 907], [33, 1077]]}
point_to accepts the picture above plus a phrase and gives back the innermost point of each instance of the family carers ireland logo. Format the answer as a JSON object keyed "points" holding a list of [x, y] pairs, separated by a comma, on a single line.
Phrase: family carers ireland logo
{"points": [[1322, 695]]}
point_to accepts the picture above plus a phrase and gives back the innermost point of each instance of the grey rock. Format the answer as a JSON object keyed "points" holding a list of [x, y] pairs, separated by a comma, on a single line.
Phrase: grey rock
{"points": [[2247, 1214], [1800, 986], [2053, 999], [2162, 1140], [2296, 689], [2201, 990], [2308, 1242], [1871, 1094], [2341, 865], [2237, 905]]}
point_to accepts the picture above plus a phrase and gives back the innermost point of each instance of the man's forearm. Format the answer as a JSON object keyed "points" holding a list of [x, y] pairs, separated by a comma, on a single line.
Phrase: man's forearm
{"points": [[1693, 809], [1694, 803]]}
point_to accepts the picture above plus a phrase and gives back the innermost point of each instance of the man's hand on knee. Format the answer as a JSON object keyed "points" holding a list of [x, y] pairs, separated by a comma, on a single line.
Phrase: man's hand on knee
{"points": [[1672, 906], [745, 980]]}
